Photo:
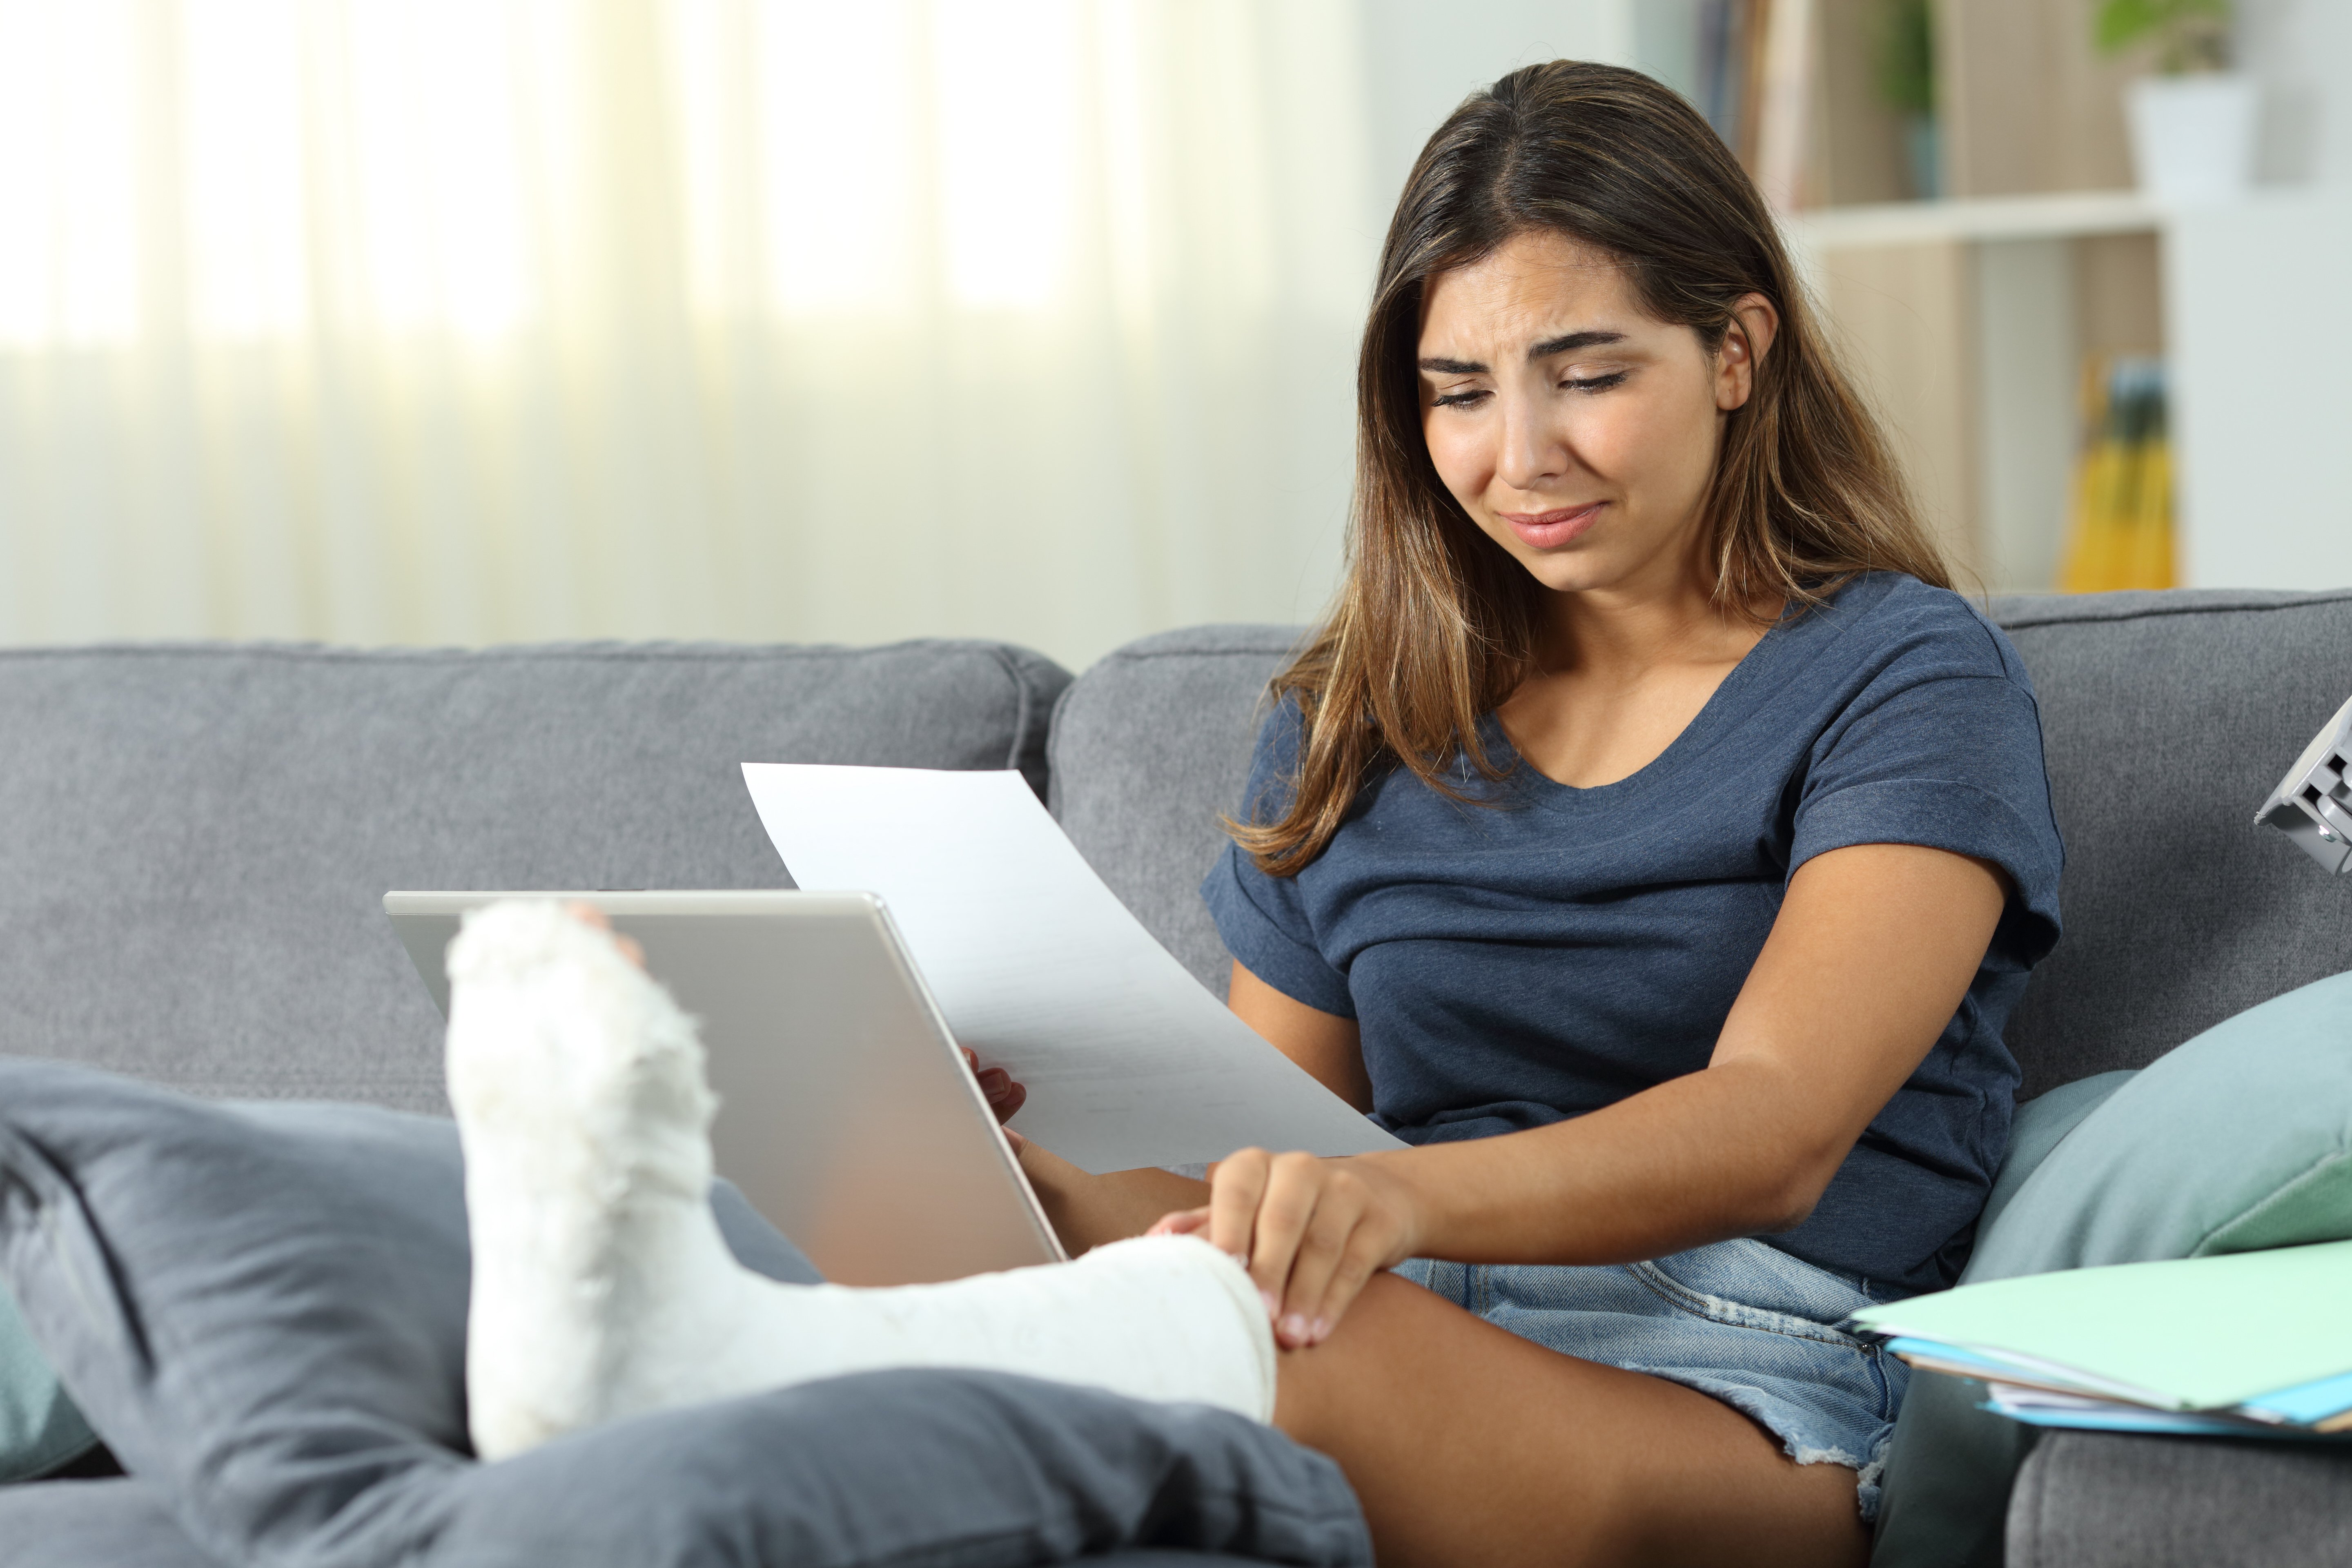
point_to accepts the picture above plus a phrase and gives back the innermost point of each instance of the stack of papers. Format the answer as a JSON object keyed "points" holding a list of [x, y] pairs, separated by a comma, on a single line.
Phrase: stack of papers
{"points": [[2256, 1344]]}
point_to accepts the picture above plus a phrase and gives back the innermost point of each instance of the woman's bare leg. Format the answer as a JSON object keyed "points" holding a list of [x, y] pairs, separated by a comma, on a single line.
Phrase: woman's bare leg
{"points": [[1087, 1211], [1469, 1444]]}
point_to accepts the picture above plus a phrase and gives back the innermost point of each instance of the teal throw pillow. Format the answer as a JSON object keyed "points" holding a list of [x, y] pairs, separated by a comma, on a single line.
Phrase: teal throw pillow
{"points": [[2239, 1139], [40, 1427]]}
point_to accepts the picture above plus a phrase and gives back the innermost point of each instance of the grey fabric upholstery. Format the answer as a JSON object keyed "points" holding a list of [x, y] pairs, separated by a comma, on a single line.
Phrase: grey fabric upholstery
{"points": [[119, 1523], [2169, 717], [194, 840], [1150, 747], [129, 1524], [263, 1310], [2093, 1500]]}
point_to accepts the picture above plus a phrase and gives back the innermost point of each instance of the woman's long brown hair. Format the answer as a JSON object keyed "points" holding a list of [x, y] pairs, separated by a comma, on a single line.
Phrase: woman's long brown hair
{"points": [[1435, 624]]}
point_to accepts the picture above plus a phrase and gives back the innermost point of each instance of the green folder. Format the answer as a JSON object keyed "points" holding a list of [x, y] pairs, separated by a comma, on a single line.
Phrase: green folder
{"points": [[2191, 1333]]}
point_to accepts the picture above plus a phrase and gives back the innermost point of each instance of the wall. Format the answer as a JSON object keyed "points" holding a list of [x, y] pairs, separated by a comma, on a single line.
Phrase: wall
{"points": [[2303, 51], [2259, 408], [1423, 56]]}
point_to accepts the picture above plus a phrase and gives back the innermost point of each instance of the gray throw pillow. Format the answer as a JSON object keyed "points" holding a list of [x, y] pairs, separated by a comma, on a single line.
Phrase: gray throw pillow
{"points": [[261, 1308], [85, 1524], [129, 1524]]}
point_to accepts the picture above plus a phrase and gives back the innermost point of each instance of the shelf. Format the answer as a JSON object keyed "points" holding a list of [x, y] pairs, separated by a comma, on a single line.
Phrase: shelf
{"points": [[2063, 215]]}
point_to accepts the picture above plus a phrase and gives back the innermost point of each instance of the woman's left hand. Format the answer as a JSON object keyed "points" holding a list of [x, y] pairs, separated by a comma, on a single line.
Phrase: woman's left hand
{"points": [[1005, 1097], [1312, 1232]]}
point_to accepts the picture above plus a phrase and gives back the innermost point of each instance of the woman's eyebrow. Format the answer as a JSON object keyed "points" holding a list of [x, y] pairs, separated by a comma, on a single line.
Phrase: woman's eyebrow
{"points": [[1572, 341], [1545, 349]]}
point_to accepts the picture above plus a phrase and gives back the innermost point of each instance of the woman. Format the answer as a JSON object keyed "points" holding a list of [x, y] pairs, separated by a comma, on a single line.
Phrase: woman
{"points": [[1652, 840]]}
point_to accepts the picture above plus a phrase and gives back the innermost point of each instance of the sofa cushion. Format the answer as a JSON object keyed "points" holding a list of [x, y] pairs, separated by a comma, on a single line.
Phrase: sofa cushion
{"points": [[119, 1523], [2167, 719], [2096, 1501], [237, 1293], [129, 1524], [194, 840], [1149, 749], [262, 1310]]}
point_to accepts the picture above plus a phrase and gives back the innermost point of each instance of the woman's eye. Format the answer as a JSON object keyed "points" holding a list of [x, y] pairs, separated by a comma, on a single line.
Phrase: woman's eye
{"points": [[1459, 399], [1594, 383]]}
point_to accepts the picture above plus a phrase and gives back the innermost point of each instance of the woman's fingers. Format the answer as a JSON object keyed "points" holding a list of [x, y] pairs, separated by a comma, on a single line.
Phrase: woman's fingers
{"points": [[1006, 1096], [1370, 1247], [589, 914], [1338, 1214], [1311, 1232], [1293, 1189], [1184, 1222], [1234, 1194]]}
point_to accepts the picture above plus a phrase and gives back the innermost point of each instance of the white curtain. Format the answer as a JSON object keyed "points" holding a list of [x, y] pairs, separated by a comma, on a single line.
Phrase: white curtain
{"points": [[463, 321]]}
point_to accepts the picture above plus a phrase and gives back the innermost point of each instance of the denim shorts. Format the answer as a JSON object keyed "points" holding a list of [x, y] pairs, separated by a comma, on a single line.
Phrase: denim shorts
{"points": [[1740, 1321]]}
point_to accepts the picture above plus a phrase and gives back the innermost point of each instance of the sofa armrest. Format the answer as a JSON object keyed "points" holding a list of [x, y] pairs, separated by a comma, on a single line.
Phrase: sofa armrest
{"points": [[2094, 1499]]}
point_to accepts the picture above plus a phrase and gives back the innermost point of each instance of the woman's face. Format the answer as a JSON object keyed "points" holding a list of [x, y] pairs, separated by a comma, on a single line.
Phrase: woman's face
{"points": [[1576, 429]]}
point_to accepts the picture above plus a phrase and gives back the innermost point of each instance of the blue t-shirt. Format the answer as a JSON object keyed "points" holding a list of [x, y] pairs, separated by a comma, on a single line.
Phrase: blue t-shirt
{"points": [[1515, 963]]}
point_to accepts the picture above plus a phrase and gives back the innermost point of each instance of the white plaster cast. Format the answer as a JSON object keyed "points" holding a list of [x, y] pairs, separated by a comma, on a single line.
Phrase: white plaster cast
{"points": [[601, 1288]]}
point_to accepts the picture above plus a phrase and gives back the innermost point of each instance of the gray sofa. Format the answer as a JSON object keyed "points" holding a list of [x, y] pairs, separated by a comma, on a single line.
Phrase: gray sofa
{"points": [[194, 841]]}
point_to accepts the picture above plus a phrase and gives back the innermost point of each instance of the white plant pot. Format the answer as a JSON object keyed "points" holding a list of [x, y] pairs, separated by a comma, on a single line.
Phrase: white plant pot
{"points": [[2193, 136]]}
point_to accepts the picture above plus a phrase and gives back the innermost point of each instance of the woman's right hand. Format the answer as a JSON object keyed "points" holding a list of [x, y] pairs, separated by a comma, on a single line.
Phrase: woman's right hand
{"points": [[1311, 1232]]}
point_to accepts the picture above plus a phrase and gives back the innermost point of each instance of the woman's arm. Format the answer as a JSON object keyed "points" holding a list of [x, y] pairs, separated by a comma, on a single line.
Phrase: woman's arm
{"points": [[1873, 949], [1329, 1047]]}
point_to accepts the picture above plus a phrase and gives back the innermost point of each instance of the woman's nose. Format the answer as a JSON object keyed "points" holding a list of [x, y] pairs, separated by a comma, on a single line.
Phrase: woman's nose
{"points": [[1531, 451]]}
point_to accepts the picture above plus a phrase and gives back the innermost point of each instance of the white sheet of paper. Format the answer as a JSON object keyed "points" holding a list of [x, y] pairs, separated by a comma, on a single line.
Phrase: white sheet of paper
{"points": [[1040, 968]]}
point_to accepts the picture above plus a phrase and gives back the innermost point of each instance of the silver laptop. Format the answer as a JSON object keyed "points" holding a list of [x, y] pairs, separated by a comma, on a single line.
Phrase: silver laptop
{"points": [[845, 1112]]}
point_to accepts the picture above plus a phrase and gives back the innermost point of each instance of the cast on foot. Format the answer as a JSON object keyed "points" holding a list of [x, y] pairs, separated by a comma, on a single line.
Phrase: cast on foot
{"points": [[601, 1288]]}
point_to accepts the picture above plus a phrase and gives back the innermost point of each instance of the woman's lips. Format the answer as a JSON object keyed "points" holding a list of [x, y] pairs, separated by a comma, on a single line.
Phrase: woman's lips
{"points": [[1550, 529]]}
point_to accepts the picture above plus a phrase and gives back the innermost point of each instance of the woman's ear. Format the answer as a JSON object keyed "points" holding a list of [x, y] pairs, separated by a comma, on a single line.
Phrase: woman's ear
{"points": [[1745, 342]]}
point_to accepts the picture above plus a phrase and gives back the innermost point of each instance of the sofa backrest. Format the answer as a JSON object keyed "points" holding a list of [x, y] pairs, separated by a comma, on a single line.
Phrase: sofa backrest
{"points": [[194, 841], [2168, 718]]}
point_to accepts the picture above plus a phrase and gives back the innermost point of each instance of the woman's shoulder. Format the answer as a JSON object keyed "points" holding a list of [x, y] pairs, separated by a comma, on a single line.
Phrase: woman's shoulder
{"points": [[1282, 725], [1274, 759], [1892, 620]]}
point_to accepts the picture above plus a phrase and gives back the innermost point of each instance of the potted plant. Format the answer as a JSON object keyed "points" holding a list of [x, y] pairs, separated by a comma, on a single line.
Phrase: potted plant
{"points": [[1907, 83], [2193, 123]]}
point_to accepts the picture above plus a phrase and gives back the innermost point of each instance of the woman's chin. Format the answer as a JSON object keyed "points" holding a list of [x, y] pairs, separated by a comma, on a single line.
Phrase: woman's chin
{"points": [[1580, 568], [1598, 562]]}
